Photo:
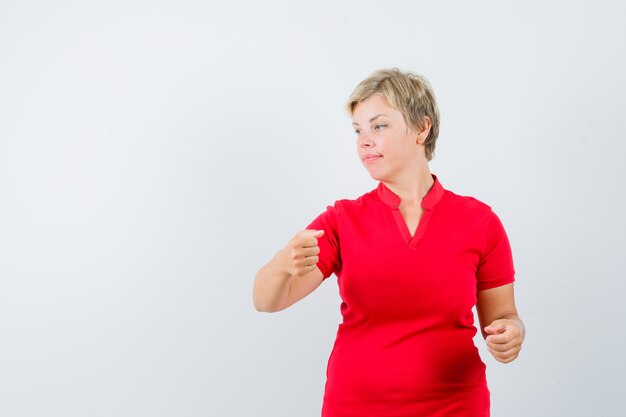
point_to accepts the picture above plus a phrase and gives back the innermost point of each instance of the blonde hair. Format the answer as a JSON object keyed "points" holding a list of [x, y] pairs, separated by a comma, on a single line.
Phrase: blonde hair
{"points": [[410, 93]]}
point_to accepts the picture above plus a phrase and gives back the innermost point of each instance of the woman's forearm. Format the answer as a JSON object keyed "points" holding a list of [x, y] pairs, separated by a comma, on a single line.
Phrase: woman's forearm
{"points": [[271, 285]]}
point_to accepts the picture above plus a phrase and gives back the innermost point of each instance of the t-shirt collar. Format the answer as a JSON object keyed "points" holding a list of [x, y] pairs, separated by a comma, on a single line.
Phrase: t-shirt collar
{"points": [[431, 198]]}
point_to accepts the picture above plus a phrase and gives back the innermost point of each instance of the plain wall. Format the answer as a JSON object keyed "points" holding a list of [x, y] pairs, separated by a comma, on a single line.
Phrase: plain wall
{"points": [[154, 155]]}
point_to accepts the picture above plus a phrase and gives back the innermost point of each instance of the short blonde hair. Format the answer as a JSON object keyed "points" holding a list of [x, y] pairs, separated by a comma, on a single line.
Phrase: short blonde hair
{"points": [[410, 93]]}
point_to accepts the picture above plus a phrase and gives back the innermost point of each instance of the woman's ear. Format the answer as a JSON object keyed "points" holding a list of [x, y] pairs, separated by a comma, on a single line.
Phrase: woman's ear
{"points": [[423, 131]]}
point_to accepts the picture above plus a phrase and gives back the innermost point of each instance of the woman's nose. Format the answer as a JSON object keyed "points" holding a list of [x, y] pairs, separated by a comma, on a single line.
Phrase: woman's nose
{"points": [[365, 139]]}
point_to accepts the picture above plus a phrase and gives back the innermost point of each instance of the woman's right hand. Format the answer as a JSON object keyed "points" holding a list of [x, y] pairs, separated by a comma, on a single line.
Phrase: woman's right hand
{"points": [[300, 254], [274, 285]]}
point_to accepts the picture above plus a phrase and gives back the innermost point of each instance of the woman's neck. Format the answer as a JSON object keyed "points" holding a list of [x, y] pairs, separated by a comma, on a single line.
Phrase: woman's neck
{"points": [[412, 187]]}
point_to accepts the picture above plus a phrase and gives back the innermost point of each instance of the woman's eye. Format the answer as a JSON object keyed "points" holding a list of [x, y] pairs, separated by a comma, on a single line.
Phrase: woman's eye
{"points": [[378, 127], [357, 131]]}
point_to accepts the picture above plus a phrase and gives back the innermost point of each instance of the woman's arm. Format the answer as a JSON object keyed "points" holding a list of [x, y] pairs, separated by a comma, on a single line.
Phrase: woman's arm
{"points": [[501, 326], [287, 278]]}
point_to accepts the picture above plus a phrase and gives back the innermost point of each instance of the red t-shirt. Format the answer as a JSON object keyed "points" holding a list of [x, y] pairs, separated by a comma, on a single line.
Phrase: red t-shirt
{"points": [[405, 346]]}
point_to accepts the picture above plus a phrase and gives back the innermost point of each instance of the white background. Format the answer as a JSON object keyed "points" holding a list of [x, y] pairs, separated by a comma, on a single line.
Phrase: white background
{"points": [[155, 154]]}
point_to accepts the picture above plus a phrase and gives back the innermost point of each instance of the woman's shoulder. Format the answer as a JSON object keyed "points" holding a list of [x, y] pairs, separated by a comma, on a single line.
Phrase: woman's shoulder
{"points": [[466, 203], [356, 201], [351, 207], [363, 201]]}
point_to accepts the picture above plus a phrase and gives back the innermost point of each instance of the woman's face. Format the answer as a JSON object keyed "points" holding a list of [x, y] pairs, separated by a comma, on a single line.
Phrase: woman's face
{"points": [[384, 144]]}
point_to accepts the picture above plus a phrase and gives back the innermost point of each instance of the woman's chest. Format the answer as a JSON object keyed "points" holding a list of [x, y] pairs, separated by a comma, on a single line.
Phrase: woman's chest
{"points": [[411, 218], [382, 273]]}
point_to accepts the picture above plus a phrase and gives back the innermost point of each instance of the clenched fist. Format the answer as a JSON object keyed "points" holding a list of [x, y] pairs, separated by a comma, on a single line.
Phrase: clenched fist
{"points": [[505, 339], [300, 254]]}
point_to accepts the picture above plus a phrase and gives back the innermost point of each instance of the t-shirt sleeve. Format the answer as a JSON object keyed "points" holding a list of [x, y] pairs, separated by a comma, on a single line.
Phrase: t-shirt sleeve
{"points": [[329, 258], [495, 267]]}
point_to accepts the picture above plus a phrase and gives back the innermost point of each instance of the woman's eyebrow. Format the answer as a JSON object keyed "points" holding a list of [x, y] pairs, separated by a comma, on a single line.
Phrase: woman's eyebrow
{"points": [[372, 119]]}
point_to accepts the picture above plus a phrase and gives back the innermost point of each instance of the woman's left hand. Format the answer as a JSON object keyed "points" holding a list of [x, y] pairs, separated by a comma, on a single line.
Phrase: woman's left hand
{"points": [[505, 337]]}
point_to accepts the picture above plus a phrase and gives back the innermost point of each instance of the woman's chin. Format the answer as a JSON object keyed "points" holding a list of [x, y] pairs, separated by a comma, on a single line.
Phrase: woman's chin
{"points": [[375, 174]]}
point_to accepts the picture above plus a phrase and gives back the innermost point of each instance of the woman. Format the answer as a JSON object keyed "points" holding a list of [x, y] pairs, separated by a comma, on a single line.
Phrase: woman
{"points": [[412, 259]]}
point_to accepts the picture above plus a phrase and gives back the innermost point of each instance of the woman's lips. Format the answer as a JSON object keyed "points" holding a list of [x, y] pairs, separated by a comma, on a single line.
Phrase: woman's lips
{"points": [[372, 158]]}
